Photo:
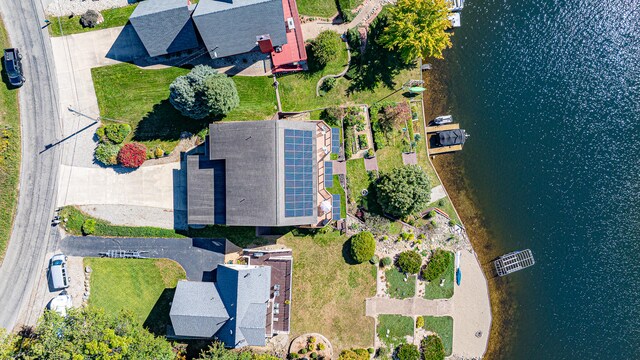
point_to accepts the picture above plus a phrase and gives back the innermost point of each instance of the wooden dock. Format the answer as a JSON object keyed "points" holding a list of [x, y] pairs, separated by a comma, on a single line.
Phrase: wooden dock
{"points": [[436, 128], [444, 149]]}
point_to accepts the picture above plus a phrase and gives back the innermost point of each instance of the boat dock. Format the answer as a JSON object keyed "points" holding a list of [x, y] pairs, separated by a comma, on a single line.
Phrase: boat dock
{"points": [[436, 128], [514, 261], [432, 131]]}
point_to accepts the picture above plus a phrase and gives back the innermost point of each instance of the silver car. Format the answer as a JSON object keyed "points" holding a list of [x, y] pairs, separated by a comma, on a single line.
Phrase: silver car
{"points": [[58, 272]]}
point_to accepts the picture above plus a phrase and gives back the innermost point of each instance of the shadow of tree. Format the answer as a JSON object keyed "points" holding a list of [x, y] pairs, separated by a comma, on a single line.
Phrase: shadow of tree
{"points": [[346, 253], [158, 318], [377, 64], [166, 123]]}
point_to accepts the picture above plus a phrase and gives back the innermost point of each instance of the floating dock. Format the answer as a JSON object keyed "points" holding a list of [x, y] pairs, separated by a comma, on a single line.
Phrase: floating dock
{"points": [[514, 261], [433, 131]]}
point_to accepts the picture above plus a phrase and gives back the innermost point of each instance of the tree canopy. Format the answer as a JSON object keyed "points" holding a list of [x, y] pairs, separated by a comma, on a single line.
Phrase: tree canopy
{"points": [[432, 348], [325, 47], [408, 352], [217, 351], [363, 246], [203, 92], [88, 333], [404, 190], [409, 262], [417, 28]]}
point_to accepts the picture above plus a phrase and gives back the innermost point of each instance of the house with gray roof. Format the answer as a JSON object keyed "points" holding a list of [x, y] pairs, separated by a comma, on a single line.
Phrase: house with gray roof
{"points": [[236, 309], [222, 28], [262, 173]]}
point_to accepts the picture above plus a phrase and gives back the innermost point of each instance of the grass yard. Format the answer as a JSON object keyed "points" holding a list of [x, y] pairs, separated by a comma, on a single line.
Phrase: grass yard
{"points": [[141, 97], [65, 25], [142, 286], [433, 290], [397, 287], [9, 151], [446, 206], [239, 235], [337, 189], [321, 8], [357, 180], [443, 326], [398, 326], [328, 293]]}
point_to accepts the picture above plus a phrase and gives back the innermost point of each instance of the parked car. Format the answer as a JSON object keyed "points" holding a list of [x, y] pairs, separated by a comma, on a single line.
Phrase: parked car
{"points": [[61, 303], [58, 272], [13, 66]]}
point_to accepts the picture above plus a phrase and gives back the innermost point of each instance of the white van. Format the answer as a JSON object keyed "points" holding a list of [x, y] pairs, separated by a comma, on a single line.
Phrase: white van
{"points": [[58, 272]]}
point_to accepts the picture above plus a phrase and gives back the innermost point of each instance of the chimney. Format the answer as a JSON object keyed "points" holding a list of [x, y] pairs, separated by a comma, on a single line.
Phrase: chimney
{"points": [[264, 42]]}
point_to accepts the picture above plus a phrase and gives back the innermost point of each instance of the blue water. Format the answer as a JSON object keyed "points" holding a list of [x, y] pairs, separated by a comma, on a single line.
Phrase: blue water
{"points": [[550, 92]]}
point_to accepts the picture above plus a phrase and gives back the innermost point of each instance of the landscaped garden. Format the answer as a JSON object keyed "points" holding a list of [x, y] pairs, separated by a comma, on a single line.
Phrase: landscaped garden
{"points": [[140, 98], [443, 327], [399, 285], [143, 286], [9, 152], [329, 291], [445, 269], [394, 329]]}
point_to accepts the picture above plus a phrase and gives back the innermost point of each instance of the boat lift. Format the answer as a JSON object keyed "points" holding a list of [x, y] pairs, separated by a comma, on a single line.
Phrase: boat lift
{"points": [[514, 261], [124, 254]]}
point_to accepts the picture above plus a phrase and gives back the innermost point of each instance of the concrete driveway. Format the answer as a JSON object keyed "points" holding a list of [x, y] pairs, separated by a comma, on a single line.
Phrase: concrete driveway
{"points": [[199, 257]]}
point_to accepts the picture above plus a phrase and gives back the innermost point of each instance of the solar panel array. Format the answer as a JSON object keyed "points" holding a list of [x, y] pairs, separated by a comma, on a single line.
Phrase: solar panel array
{"points": [[298, 173], [328, 174], [335, 140], [336, 207]]}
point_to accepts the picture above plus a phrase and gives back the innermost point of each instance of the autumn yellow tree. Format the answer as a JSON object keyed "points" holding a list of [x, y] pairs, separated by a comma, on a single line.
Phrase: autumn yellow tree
{"points": [[417, 28]]}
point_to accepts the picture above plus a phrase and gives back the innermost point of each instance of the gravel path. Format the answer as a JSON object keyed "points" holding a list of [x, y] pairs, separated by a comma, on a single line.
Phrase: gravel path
{"points": [[76, 7]]}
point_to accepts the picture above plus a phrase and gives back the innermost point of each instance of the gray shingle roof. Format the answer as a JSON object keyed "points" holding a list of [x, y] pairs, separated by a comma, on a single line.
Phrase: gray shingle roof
{"points": [[230, 27], [164, 26], [205, 190], [197, 310]]}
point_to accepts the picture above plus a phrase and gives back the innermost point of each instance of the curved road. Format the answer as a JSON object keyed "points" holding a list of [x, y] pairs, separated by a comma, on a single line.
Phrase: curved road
{"points": [[32, 235]]}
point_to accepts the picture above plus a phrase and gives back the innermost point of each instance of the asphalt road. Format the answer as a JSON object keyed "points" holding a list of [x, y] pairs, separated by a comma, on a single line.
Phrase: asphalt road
{"points": [[32, 236], [198, 257]]}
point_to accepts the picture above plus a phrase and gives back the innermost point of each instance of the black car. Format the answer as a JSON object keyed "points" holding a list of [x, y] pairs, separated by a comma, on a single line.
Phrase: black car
{"points": [[13, 66]]}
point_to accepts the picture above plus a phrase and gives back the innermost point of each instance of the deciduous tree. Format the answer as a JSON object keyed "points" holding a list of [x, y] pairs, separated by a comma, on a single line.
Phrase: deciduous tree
{"points": [[202, 92], [325, 47]]}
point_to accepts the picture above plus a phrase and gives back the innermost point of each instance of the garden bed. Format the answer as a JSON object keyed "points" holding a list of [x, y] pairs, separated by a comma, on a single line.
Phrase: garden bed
{"points": [[433, 290], [393, 330], [443, 327], [400, 286]]}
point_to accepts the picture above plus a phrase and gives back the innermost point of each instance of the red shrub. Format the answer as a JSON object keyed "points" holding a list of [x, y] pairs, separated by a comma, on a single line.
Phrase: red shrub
{"points": [[394, 115], [132, 155]]}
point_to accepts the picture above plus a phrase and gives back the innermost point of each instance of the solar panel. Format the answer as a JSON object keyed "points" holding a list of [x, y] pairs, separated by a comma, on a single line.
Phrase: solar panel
{"points": [[336, 207], [328, 174], [335, 140], [298, 173]]}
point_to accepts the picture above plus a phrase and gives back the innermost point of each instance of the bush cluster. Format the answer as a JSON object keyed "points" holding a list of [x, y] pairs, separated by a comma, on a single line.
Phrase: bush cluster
{"points": [[432, 348], [107, 153], [132, 155], [408, 352], [328, 84], [333, 115], [386, 261], [437, 265], [354, 354], [90, 19], [419, 322], [409, 262], [89, 227], [363, 246], [325, 47], [115, 133]]}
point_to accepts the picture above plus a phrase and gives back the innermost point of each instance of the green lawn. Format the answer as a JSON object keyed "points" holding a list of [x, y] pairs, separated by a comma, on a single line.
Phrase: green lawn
{"points": [[447, 207], [399, 288], [398, 328], [239, 235], [357, 180], [321, 8], [9, 151], [140, 97], [142, 286], [443, 326], [433, 290], [328, 293], [65, 25], [337, 189]]}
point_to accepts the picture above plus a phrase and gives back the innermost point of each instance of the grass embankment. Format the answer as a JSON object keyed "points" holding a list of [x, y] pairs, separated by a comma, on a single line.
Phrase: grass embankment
{"points": [[339, 190], [393, 329], [446, 206], [142, 286], [9, 151], [239, 235], [321, 8], [65, 25], [443, 326], [433, 290], [141, 98], [398, 287], [328, 292]]}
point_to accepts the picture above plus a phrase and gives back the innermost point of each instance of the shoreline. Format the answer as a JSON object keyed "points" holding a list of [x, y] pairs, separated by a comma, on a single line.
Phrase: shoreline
{"points": [[436, 101]]}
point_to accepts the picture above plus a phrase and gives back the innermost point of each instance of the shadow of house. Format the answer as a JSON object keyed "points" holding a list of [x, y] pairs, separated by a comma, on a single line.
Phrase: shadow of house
{"points": [[158, 318], [166, 123], [128, 47]]}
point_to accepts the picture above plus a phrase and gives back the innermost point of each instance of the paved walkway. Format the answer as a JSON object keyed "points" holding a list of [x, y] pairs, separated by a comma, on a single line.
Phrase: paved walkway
{"points": [[409, 158], [437, 193], [339, 167], [414, 306], [371, 164], [369, 11]]}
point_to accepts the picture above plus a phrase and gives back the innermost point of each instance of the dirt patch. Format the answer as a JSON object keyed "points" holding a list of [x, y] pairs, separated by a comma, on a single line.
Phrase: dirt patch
{"points": [[79, 283]]}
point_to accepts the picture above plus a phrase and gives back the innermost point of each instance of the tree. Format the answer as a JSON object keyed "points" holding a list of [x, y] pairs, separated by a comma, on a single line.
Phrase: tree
{"points": [[408, 352], [417, 28], [92, 333], [354, 354], [221, 93], [437, 265], [325, 47], [7, 344], [409, 262], [363, 246], [217, 351], [393, 115], [404, 190], [432, 348], [188, 93], [132, 155]]}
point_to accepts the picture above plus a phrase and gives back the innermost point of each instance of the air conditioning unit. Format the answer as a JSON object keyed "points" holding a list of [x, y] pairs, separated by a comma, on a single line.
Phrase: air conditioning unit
{"points": [[290, 24]]}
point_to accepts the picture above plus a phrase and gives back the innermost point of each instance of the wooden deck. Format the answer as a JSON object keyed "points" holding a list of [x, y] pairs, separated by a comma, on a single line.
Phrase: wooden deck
{"points": [[432, 129], [444, 149]]}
